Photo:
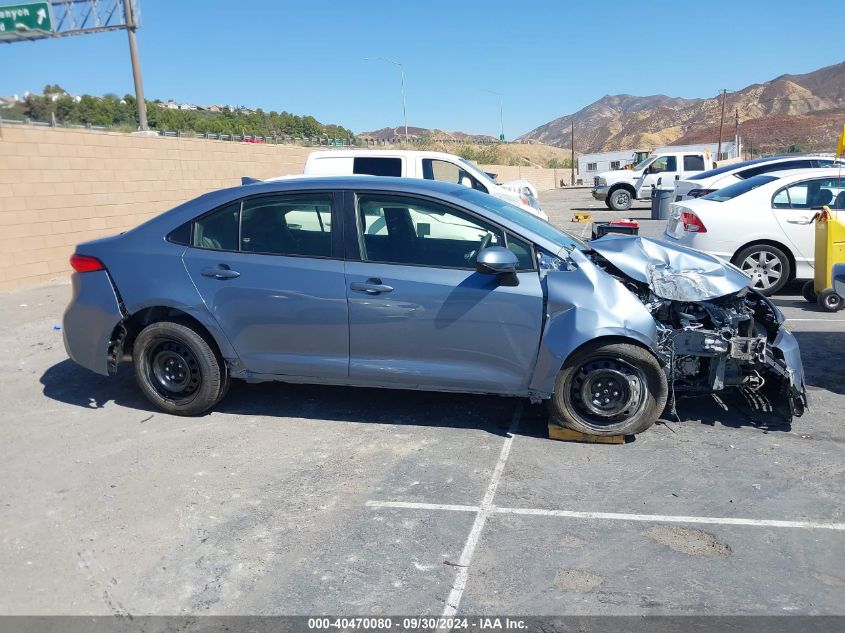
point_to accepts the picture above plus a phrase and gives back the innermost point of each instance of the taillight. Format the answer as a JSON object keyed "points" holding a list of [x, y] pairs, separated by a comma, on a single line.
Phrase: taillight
{"points": [[692, 222], [697, 193], [85, 264]]}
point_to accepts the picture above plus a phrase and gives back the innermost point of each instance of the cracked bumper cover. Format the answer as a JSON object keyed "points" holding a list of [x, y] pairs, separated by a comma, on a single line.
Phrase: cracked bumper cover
{"points": [[786, 362]]}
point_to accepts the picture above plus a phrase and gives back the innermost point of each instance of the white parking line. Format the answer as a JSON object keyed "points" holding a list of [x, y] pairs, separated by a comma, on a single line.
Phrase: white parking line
{"points": [[666, 518], [819, 320], [410, 505], [454, 599]]}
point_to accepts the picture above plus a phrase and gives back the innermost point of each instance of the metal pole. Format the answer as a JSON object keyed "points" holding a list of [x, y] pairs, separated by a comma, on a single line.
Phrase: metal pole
{"points": [[721, 123], [736, 134], [502, 117], [572, 155], [404, 103], [136, 66]]}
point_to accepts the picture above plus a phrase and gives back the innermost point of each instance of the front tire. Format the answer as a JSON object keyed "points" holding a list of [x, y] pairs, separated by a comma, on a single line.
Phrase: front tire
{"points": [[615, 389], [620, 199], [178, 369], [767, 265]]}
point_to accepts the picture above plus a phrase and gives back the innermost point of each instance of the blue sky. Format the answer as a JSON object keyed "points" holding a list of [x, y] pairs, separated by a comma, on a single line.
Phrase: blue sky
{"points": [[548, 58]]}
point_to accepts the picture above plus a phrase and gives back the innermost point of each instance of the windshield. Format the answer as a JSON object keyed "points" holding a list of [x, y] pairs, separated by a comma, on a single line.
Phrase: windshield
{"points": [[648, 161], [523, 218], [737, 189], [478, 172]]}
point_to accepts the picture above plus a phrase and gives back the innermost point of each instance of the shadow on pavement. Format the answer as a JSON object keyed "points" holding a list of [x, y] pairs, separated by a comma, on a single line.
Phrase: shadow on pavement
{"points": [[69, 383]]}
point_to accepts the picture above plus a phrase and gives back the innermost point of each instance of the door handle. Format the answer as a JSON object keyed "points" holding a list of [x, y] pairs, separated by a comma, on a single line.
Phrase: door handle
{"points": [[371, 286], [800, 220], [220, 272]]}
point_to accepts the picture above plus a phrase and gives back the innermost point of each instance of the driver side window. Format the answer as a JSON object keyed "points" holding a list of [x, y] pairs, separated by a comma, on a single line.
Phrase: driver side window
{"points": [[396, 229], [663, 164]]}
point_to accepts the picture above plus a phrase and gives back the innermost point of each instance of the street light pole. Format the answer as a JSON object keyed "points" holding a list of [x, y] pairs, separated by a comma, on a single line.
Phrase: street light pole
{"points": [[402, 78], [136, 66]]}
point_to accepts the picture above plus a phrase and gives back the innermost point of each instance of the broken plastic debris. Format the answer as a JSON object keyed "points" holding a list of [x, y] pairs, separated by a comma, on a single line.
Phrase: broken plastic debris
{"points": [[57, 327]]}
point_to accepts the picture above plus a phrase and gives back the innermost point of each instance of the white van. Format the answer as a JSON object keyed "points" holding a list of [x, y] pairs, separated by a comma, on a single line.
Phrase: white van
{"points": [[421, 164]]}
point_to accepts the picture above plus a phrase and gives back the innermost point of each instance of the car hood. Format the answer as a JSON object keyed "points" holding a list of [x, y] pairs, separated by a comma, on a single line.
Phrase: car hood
{"points": [[671, 271], [618, 174]]}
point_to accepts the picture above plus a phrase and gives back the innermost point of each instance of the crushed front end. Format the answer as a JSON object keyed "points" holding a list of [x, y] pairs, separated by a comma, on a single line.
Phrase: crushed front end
{"points": [[714, 332]]}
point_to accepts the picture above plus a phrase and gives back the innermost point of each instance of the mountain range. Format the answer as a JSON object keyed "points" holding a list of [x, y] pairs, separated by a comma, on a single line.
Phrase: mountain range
{"points": [[805, 111], [398, 134]]}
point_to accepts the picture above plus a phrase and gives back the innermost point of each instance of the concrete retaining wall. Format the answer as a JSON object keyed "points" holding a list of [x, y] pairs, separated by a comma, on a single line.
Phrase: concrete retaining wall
{"points": [[60, 187]]}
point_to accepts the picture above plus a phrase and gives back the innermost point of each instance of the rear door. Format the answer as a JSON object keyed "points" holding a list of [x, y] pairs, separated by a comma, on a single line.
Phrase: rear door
{"points": [[795, 206], [420, 316], [269, 270]]}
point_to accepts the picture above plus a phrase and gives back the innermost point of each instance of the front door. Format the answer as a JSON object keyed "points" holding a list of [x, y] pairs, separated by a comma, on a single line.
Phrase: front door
{"points": [[265, 269], [663, 171], [420, 316]]}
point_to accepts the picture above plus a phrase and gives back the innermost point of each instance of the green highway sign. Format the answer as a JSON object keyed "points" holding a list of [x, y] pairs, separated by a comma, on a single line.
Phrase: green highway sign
{"points": [[21, 20]]}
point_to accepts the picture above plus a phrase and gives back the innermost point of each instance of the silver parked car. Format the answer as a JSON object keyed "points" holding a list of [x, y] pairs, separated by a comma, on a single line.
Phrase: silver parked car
{"points": [[413, 284]]}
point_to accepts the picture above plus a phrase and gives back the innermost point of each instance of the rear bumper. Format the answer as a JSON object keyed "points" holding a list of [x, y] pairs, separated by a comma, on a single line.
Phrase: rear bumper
{"points": [[90, 320]]}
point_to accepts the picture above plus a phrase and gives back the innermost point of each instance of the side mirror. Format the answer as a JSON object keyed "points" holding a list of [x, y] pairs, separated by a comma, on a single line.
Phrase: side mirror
{"points": [[496, 260], [466, 182]]}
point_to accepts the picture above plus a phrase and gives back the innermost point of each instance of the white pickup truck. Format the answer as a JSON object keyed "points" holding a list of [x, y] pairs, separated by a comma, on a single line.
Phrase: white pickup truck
{"points": [[620, 187], [421, 164]]}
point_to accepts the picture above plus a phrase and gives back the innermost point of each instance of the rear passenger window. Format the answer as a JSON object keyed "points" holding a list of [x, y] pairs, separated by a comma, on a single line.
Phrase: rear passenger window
{"points": [[219, 230], [288, 225], [377, 166], [693, 163]]}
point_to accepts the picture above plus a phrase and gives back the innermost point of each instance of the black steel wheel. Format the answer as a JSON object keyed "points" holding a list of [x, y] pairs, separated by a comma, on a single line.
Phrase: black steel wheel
{"points": [[615, 389], [178, 369]]}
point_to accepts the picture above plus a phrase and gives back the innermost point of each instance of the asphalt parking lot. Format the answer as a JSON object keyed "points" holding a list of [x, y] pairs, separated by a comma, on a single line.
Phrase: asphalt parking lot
{"points": [[303, 500]]}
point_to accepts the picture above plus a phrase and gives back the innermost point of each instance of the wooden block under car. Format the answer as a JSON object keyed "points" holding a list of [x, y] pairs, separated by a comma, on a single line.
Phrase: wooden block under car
{"points": [[563, 434]]}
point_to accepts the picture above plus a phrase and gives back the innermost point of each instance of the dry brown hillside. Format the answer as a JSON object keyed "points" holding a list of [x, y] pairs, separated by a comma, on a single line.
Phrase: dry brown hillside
{"points": [[804, 110]]}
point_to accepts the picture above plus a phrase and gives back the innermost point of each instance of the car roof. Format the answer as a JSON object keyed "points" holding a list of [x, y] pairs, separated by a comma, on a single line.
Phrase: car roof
{"points": [[380, 152], [447, 192], [734, 167], [803, 174]]}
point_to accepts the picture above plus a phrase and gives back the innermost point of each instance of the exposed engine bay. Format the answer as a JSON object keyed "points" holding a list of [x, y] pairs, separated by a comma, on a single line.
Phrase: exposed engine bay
{"points": [[711, 343]]}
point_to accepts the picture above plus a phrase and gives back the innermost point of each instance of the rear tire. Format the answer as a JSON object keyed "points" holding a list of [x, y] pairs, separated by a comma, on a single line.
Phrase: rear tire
{"points": [[808, 291], [178, 369], [615, 389], [830, 301], [768, 266], [620, 199]]}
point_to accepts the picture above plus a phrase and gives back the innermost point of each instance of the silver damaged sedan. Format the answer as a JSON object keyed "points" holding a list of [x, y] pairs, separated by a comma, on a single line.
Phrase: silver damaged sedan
{"points": [[411, 284]]}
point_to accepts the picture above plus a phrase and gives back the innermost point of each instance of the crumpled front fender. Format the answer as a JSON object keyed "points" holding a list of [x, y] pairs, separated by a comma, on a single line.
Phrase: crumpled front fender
{"points": [[585, 304]]}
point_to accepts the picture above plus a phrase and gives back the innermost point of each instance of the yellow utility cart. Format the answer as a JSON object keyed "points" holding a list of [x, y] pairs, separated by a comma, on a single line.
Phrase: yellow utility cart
{"points": [[830, 250]]}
